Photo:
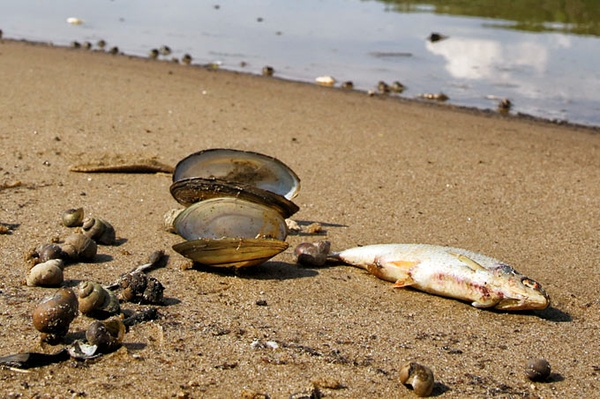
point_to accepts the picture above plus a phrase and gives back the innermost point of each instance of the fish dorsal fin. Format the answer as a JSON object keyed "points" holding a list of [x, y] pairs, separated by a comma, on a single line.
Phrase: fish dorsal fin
{"points": [[468, 261]]}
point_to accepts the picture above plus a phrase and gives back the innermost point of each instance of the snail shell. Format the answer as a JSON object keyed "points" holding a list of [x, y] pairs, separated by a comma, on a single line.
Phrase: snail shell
{"points": [[54, 314], [80, 247], [46, 274], [312, 254], [99, 230], [73, 217], [106, 335], [419, 377], [538, 369], [46, 252], [94, 298]]}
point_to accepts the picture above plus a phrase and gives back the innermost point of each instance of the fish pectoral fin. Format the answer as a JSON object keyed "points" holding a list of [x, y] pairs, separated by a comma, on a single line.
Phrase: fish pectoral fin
{"points": [[483, 304], [404, 281], [393, 270], [468, 261]]}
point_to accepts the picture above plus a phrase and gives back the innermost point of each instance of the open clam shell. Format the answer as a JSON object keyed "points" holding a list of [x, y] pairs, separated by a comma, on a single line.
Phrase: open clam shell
{"points": [[191, 190], [231, 252], [229, 217], [246, 167], [230, 232]]}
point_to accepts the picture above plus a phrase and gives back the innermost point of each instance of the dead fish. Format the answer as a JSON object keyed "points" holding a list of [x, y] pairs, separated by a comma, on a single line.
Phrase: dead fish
{"points": [[449, 272]]}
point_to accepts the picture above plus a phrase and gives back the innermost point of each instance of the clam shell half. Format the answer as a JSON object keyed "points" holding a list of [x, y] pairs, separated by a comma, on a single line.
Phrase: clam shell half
{"points": [[191, 190], [230, 217], [230, 252], [238, 166], [230, 232]]}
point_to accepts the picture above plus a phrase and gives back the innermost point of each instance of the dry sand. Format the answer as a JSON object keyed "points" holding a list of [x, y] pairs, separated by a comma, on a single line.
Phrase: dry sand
{"points": [[374, 170]]}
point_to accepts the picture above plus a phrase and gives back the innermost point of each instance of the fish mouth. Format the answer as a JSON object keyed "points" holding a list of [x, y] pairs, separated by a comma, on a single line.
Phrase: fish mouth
{"points": [[539, 302]]}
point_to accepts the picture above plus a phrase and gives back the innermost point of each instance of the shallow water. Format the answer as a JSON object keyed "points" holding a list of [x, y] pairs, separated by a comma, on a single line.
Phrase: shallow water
{"points": [[530, 56]]}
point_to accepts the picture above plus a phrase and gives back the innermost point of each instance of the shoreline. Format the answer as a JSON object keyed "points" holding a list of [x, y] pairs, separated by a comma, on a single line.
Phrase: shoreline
{"points": [[372, 172], [432, 103]]}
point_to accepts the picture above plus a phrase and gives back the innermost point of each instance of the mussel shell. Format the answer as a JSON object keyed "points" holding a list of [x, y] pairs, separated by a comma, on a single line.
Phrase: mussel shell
{"points": [[230, 217], [246, 167], [191, 190], [231, 252]]}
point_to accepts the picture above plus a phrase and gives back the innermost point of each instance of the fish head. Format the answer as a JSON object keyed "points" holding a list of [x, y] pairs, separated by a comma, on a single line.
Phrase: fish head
{"points": [[520, 292]]}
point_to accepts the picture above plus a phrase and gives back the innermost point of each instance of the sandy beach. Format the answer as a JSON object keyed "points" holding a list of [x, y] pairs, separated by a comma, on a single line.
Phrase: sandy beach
{"points": [[373, 169]]}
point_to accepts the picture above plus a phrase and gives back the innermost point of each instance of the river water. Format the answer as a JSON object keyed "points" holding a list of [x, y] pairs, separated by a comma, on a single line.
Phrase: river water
{"points": [[543, 55]]}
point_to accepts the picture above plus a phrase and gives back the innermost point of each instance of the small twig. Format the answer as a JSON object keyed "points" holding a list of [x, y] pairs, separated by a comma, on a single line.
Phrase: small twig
{"points": [[33, 359]]}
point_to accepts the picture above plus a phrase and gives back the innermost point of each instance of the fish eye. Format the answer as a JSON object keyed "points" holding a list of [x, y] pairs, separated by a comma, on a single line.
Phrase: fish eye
{"points": [[530, 283]]}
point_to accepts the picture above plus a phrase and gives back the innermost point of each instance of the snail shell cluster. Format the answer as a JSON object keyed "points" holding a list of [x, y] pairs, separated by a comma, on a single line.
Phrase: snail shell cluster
{"points": [[138, 287], [54, 314], [419, 377], [237, 202], [106, 335], [95, 299], [76, 247]]}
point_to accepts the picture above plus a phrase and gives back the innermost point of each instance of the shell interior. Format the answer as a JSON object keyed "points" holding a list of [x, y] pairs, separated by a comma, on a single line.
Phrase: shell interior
{"points": [[230, 252], [230, 217], [191, 190], [238, 166]]}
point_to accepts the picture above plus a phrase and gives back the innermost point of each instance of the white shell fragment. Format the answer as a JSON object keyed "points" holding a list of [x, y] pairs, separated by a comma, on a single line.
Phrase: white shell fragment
{"points": [[325, 81], [74, 21]]}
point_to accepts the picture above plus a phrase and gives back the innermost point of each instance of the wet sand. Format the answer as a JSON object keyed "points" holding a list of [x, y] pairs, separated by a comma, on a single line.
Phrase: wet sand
{"points": [[373, 170]]}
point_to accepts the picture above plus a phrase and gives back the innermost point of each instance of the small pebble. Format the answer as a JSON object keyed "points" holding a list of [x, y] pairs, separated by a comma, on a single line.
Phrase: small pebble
{"points": [[268, 71], [261, 302], [186, 59]]}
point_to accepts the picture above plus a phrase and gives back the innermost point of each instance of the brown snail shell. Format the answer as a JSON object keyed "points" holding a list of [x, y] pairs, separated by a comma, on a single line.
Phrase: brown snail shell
{"points": [[46, 252], [99, 230], [106, 335], [419, 377], [73, 217], [79, 247], [538, 369], [46, 274], [95, 299], [54, 314]]}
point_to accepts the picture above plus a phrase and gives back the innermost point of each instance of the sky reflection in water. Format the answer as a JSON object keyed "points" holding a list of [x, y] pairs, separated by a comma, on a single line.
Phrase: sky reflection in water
{"points": [[546, 74]]}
